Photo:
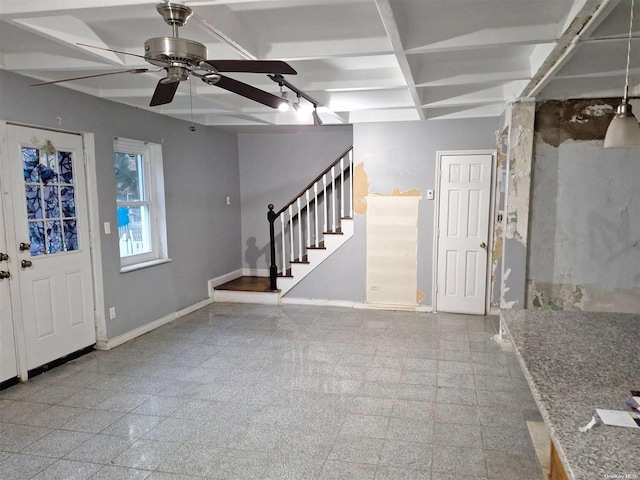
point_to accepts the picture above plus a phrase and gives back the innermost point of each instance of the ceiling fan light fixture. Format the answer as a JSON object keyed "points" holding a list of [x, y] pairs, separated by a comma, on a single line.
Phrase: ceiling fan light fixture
{"points": [[176, 74], [624, 129]]}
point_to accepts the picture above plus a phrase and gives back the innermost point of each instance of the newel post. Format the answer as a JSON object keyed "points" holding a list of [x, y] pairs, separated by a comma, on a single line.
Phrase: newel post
{"points": [[273, 269]]}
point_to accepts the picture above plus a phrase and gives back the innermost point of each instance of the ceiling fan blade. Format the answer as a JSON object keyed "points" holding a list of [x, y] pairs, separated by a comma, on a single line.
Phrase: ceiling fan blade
{"points": [[132, 70], [249, 92], [252, 66], [110, 50], [164, 93]]}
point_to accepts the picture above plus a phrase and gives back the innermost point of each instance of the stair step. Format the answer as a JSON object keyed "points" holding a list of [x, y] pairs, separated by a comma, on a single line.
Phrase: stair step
{"points": [[337, 231]]}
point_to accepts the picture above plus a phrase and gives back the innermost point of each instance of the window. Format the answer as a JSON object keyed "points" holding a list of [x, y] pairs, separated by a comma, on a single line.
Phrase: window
{"points": [[140, 203]]}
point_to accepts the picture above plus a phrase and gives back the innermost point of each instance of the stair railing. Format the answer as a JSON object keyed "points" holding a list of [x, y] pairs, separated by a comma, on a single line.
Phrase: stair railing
{"points": [[315, 212]]}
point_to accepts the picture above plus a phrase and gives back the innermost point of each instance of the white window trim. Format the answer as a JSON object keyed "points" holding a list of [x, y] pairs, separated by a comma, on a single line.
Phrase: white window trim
{"points": [[154, 176]]}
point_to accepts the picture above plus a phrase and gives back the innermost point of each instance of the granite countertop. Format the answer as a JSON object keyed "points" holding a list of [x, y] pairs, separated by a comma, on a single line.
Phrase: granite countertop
{"points": [[576, 362]]}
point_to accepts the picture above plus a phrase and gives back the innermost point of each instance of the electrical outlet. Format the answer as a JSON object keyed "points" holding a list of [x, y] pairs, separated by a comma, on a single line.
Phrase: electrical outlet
{"points": [[375, 286], [112, 313]]}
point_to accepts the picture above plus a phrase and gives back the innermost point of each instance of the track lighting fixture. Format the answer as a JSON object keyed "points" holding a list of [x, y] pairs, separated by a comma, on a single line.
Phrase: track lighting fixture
{"points": [[284, 104], [317, 121], [280, 80], [624, 129]]}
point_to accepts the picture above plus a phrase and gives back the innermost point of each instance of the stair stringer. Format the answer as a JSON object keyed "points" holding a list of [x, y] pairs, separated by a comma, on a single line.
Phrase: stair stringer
{"points": [[316, 256]]}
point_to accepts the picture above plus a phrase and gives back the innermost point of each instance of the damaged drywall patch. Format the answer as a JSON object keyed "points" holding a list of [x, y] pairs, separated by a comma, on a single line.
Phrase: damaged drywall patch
{"points": [[583, 120], [392, 248], [588, 298], [360, 189]]}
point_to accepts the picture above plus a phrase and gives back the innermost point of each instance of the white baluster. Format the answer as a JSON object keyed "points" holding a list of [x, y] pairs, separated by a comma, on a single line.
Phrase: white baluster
{"points": [[333, 199], [326, 203], [351, 183], [342, 187], [284, 243], [308, 244], [292, 251], [299, 230], [315, 212]]}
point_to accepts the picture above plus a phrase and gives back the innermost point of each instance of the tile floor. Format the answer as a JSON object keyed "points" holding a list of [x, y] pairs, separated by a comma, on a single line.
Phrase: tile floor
{"points": [[292, 392]]}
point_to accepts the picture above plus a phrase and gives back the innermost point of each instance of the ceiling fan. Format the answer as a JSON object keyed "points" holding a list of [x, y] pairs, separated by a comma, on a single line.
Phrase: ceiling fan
{"points": [[181, 57]]}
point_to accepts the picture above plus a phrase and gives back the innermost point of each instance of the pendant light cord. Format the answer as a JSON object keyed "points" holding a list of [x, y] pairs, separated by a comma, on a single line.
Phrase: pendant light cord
{"points": [[626, 79]]}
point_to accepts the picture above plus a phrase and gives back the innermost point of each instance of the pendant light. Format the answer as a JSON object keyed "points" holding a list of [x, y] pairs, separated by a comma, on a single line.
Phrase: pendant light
{"points": [[624, 129]]}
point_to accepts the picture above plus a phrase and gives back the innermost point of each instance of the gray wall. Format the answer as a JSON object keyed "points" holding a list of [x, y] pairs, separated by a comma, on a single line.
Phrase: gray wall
{"points": [[402, 155], [274, 167], [200, 170]]}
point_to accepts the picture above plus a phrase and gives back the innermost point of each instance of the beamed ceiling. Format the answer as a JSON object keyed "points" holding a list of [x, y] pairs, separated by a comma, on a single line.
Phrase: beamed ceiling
{"points": [[361, 60]]}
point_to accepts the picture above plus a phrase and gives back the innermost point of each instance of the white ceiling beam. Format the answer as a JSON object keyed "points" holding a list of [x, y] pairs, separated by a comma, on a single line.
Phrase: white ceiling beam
{"points": [[586, 16], [23, 7], [391, 27]]}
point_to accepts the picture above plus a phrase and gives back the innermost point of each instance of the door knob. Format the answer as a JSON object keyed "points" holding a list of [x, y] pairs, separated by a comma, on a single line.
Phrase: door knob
{"points": [[4, 274], [24, 246], [26, 263], [483, 245], [3, 257]]}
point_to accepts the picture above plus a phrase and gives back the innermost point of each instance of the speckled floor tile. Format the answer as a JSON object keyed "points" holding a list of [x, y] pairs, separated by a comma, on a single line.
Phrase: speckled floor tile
{"points": [[291, 392], [110, 472], [68, 470]]}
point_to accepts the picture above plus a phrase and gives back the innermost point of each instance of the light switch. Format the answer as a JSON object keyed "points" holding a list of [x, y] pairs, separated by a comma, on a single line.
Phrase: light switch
{"points": [[107, 228]]}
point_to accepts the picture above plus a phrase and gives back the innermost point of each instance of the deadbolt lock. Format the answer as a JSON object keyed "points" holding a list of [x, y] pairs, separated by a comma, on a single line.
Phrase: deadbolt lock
{"points": [[4, 274], [24, 246], [26, 263], [3, 257]]}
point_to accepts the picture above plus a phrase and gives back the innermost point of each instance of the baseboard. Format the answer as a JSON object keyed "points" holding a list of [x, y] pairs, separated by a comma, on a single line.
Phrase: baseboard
{"points": [[318, 302], [255, 272], [227, 277], [352, 304], [148, 327], [402, 308], [233, 296]]}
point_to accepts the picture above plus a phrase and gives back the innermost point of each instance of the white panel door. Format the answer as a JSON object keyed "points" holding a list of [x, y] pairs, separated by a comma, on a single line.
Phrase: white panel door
{"points": [[463, 222], [51, 227], [8, 362]]}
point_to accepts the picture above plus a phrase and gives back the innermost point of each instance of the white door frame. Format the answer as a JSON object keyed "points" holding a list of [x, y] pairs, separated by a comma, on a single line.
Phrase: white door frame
{"points": [[436, 220], [94, 239]]}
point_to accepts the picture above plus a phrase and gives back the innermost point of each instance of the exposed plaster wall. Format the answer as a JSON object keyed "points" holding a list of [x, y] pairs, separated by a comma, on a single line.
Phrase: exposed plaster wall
{"points": [[499, 218], [585, 233], [518, 189]]}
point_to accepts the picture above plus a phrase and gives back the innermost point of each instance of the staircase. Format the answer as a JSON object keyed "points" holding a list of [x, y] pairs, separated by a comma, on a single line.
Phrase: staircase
{"points": [[303, 233]]}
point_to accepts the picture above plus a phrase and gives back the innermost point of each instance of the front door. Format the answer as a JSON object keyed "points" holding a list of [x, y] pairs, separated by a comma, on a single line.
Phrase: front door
{"points": [[51, 233], [463, 223], [8, 360]]}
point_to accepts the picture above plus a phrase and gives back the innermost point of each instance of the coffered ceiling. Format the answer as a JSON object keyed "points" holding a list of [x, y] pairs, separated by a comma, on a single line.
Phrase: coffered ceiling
{"points": [[361, 60]]}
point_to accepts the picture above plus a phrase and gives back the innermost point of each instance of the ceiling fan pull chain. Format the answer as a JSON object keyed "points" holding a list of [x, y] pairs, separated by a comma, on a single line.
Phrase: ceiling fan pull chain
{"points": [[192, 127]]}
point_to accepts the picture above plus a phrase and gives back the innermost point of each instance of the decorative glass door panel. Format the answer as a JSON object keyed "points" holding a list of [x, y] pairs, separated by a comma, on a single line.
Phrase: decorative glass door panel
{"points": [[50, 199], [52, 265]]}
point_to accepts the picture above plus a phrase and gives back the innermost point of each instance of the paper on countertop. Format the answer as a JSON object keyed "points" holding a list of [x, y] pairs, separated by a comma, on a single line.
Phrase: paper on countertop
{"points": [[618, 418]]}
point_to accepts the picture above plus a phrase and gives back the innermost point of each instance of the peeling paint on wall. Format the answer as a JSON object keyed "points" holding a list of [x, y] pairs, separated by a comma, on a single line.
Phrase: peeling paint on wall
{"points": [[420, 296], [414, 192], [574, 120], [360, 189]]}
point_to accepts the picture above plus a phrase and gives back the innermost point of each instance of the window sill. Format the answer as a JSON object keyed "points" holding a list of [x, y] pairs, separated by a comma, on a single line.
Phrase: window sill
{"points": [[140, 266]]}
